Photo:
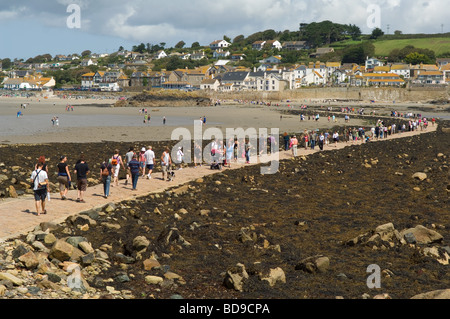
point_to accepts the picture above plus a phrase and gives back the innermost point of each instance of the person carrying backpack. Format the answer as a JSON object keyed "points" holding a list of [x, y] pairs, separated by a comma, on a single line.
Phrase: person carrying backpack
{"points": [[39, 178]]}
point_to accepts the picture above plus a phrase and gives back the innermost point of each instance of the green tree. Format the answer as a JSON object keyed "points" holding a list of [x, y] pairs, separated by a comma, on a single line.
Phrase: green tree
{"points": [[6, 63], [376, 33], [86, 53], [354, 54], [417, 58], [195, 45], [141, 48], [180, 45]]}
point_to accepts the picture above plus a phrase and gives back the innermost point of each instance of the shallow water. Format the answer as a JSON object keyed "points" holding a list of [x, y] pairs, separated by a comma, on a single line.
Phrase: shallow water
{"points": [[32, 124]]}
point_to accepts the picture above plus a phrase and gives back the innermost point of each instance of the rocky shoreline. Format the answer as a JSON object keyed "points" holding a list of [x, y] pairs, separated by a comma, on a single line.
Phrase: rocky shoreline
{"points": [[309, 232]]}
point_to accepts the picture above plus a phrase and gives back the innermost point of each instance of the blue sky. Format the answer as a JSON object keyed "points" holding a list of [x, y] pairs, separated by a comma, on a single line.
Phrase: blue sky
{"points": [[32, 27]]}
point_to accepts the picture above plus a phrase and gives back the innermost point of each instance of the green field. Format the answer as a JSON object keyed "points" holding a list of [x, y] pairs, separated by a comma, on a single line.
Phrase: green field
{"points": [[438, 45]]}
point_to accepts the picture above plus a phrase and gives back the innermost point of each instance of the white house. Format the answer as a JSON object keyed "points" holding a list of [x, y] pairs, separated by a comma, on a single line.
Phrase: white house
{"points": [[372, 63], [273, 44], [210, 84], [258, 45], [160, 55], [219, 44], [87, 62], [219, 53], [272, 82], [273, 60], [403, 70]]}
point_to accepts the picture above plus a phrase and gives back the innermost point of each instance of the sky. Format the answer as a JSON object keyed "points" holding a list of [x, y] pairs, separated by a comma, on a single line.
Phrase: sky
{"points": [[32, 27]]}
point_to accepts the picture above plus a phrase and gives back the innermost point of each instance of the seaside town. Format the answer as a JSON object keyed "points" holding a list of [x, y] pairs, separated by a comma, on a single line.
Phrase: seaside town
{"points": [[242, 64], [101, 198]]}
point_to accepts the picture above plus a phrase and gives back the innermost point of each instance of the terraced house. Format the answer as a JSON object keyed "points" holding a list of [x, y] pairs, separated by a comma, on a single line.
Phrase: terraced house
{"points": [[29, 82], [381, 79]]}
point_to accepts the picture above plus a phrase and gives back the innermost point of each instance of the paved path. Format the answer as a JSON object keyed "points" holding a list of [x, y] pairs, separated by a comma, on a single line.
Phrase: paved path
{"points": [[17, 215]]}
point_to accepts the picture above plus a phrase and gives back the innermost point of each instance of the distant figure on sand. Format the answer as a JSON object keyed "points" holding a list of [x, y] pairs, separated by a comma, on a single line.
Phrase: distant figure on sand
{"points": [[164, 120]]}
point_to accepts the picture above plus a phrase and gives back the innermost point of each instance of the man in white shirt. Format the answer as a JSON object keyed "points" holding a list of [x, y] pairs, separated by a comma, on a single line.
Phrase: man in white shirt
{"points": [[39, 178], [149, 161], [180, 156]]}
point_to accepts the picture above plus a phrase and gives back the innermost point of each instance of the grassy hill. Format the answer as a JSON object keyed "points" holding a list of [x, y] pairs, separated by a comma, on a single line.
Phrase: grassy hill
{"points": [[438, 45]]}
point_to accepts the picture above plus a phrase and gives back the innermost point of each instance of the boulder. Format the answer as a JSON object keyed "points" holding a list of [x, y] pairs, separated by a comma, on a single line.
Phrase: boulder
{"points": [[62, 250], [153, 280], [235, 277], [50, 239], [435, 294], [314, 264], [30, 260], [140, 243], [11, 278], [275, 275], [75, 240], [422, 235], [12, 192], [151, 263], [86, 247], [420, 176]]}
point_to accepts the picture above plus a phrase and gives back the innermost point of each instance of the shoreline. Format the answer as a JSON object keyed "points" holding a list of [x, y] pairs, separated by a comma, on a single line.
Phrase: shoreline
{"points": [[90, 118]]}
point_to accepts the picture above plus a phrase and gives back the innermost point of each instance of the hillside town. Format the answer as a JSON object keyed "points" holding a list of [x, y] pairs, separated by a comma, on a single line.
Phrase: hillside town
{"points": [[218, 69]]}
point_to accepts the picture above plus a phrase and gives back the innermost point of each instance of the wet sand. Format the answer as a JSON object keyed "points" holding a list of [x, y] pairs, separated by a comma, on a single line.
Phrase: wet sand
{"points": [[95, 121]]}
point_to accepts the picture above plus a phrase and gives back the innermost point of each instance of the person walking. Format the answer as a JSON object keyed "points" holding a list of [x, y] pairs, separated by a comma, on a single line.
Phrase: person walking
{"points": [[321, 141], [180, 156], [306, 138], [336, 138], [247, 147], [294, 142], [286, 140], [44, 164], [166, 162], [116, 161], [105, 176], [197, 155], [128, 158], [63, 177], [141, 160], [229, 151], [81, 171], [39, 178], [134, 169], [313, 139], [149, 161]]}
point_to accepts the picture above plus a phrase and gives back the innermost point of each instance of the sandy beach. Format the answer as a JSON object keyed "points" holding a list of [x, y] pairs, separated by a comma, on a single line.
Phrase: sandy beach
{"points": [[96, 121]]}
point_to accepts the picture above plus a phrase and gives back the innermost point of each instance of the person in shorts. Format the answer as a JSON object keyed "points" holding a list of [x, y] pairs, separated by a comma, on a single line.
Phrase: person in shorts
{"points": [[149, 161], [39, 178], [166, 163], [128, 158], [63, 177], [81, 171]]}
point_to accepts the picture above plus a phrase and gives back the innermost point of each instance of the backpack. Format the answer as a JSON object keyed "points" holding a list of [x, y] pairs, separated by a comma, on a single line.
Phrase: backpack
{"points": [[105, 171]]}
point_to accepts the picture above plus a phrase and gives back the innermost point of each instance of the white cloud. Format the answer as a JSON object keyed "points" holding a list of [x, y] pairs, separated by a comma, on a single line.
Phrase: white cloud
{"points": [[206, 20]]}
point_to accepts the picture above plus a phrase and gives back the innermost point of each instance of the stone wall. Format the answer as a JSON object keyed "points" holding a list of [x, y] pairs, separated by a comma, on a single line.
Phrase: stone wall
{"points": [[416, 94]]}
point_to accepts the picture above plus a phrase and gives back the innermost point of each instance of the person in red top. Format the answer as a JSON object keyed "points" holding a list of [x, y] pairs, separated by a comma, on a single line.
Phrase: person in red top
{"points": [[306, 140]]}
